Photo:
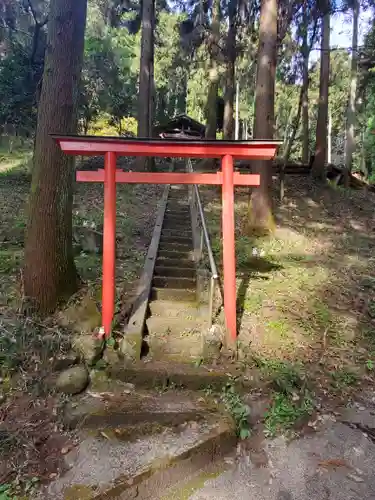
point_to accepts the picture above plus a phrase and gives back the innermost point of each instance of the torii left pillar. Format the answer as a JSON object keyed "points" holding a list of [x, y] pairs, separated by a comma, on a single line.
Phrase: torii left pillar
{"points": [[227, 151]]}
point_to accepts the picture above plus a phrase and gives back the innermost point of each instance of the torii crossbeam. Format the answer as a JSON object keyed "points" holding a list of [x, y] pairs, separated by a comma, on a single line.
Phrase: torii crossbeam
{"points": [[227, 151]]}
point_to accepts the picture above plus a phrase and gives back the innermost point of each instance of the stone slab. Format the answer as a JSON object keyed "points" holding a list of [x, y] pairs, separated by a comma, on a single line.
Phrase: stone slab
{"points": [[102, 468]]}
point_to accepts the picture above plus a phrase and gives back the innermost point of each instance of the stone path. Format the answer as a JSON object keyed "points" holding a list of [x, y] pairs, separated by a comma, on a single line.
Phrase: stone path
{"points": [[334, 460], [337, 462]]}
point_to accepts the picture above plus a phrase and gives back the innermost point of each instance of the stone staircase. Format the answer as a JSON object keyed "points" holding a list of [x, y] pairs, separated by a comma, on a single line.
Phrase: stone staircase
{"points": [[175, 326]]}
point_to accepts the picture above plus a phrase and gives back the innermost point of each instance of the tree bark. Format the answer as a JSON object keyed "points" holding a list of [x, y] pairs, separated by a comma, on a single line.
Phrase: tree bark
{"points": [[50, 273], [145, 74], [351, 113], [260, 206], [213, 86], [305, 91], [318, 166], [230, 73], [295, 125]]}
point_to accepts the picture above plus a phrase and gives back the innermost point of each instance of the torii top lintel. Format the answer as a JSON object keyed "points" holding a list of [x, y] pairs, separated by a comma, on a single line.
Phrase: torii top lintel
{"points": [[93, 145]]}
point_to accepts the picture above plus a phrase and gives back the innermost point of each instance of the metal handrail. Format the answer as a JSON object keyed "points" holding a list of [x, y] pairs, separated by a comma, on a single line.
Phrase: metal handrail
{"points": [[214, 280]]}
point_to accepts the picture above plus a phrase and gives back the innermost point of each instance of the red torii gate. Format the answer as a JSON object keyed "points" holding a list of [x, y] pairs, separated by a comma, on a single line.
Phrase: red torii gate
{"points": [[111, 147]]}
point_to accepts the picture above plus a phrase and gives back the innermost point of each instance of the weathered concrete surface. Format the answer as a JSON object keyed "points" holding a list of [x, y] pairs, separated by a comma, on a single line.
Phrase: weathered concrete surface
{"points": [[197, 460], [123, 406], [105, 467], [336, 463], [160, 373]]}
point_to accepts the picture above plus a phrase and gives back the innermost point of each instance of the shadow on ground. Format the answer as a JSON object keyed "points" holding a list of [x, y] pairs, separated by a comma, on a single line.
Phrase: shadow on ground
{"points": [[311, 296]]}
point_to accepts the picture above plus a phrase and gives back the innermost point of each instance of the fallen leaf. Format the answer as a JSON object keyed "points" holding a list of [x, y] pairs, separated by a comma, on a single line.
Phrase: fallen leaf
{"points": [[105, 435], [334, 462], [355, 478], [66, 449]]}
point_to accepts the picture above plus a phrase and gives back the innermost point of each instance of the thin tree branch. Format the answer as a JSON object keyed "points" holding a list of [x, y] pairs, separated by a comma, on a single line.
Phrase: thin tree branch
{"points": [[34, 14]]}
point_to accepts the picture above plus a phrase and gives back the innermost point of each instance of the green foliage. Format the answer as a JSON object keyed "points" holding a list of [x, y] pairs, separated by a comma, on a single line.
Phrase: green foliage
{"points": [[286, 377], [370, 365], [23, 346], [285, 412], [8, 261], [18, 89], [19, 488], [171, 68], [108, 79], [236, 407], [343, 378], [5, 492]]}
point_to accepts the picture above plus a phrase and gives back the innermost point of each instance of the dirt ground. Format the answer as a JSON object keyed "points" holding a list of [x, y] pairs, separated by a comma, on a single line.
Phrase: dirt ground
{"points": [[306, 304], [32, 440], [307, 296]]}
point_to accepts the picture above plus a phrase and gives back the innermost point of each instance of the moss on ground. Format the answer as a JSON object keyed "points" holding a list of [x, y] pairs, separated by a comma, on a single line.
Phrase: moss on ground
{"points": [[305, 295]]}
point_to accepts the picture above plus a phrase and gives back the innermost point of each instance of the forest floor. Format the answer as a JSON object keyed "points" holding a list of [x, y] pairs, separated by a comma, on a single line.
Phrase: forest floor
{"points": [[306, 297], [306, 305], [32, 439]]}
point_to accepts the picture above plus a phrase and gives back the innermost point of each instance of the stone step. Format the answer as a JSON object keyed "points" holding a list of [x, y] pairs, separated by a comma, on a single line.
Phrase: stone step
{"points": [[164, 270], [171, 262], [185, 214], [179, 203], [177, 218], [174, 224], [167, 239], [169, 308], [179, 196], [172, 244], [174, 282], [177, 233], [178, 206], [174, 294], [170, 438], [160, 326], [182, 348], [180, 340], [124, 406], [170, 253]]}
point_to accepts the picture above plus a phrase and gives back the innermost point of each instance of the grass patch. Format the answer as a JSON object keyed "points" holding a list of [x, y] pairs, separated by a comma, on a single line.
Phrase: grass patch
{"points": [[253, 302], [25, 346], [9, 261], [344, 378], [88, 266], [278, 328], [371, 308], [285, 411], [237, 408], [16, 162], [285, 377]]}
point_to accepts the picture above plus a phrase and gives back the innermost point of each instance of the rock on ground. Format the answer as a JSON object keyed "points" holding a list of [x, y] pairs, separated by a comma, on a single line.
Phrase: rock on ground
{"points": [[89, 347], [73, 380]]}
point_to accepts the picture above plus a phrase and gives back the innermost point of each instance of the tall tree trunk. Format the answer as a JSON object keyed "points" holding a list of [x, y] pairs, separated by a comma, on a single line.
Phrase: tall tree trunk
{"points": [[213, 85], [329, 138], [145, 74], [50, 272], [260, 206], [150, 162], [318, 166], [237, 120], [305, 90], [350, 120], [295, 125], [230, 73]]}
